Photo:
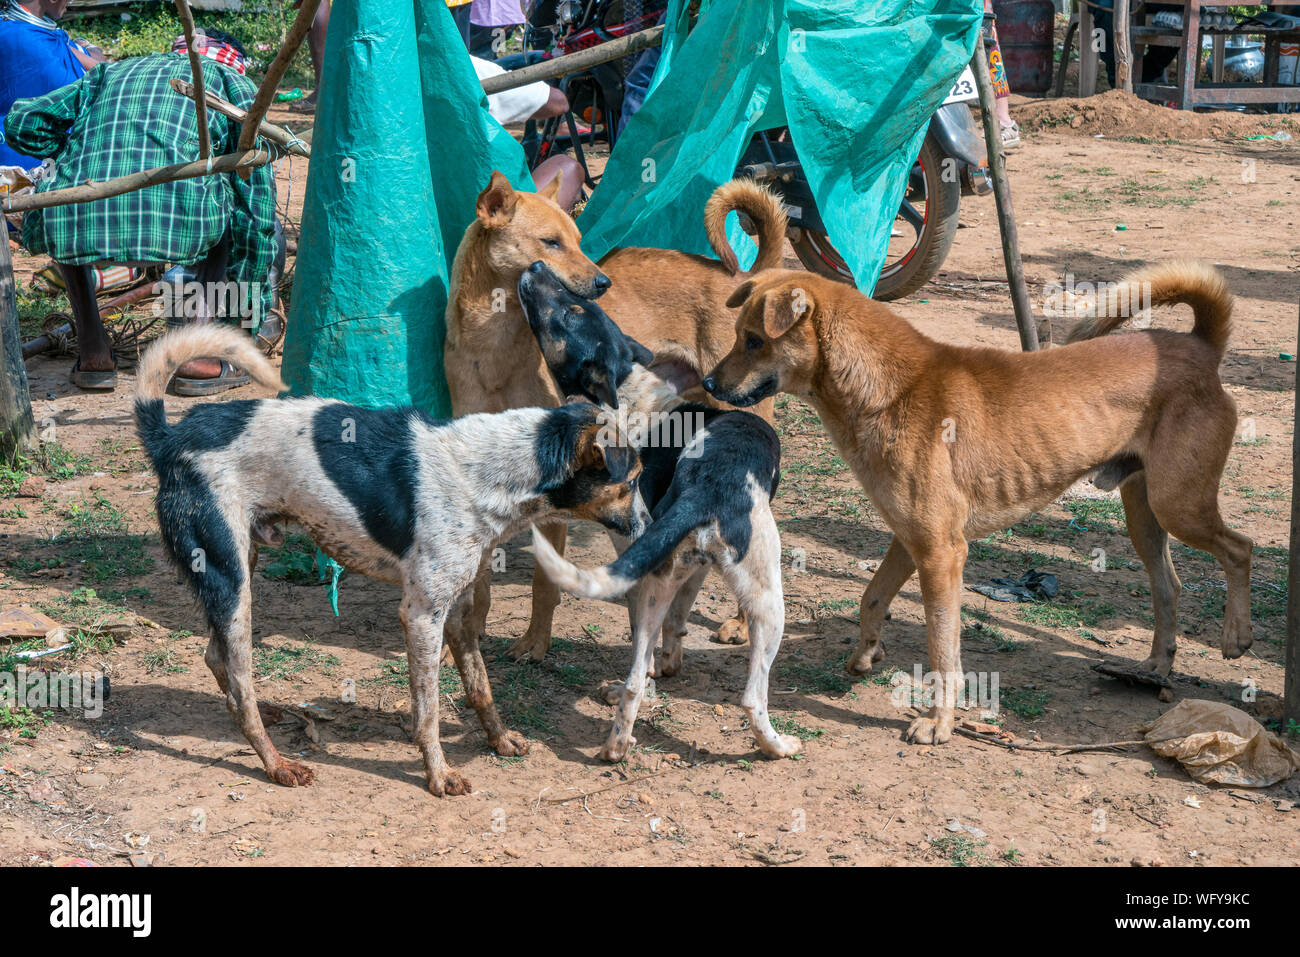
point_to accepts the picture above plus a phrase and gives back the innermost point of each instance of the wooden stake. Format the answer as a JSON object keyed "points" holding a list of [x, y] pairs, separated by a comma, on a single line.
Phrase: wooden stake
{"points": [[1291, 655], [196, 67], [266, 92], [89, 192], [1123, 47], [1002, 193], [17, 427]]}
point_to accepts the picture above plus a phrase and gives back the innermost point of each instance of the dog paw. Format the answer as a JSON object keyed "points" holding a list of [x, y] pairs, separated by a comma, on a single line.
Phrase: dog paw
{"points": [[862, 659], [530, 647], [784, 746], [733, 631], [669, 666], [930, 730], [291, 774], [616, 751], [449, 784], [1236, 638], [1156, 664], [511, 744]]}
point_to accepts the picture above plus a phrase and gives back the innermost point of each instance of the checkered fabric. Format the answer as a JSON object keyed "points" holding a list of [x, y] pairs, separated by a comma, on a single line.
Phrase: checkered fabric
{"points": [[122, 118]]}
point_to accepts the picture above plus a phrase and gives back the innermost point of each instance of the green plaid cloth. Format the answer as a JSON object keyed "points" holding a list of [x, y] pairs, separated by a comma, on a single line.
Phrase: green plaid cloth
{"points": [[122, 118]]}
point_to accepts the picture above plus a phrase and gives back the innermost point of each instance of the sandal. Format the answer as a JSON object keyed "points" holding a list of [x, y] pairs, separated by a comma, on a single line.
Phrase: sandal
{"points": [[230, 378], [94, 379]]}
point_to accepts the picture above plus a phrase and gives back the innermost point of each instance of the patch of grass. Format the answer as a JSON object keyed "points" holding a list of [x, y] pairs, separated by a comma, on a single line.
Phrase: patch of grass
{"points": [[293, 562], [1051, 616], [166, 659], [784, 724], [95, 536], [25, 721], [50, 459], [1092, 511], [960, 850], [1026, 702], [818, 677], [285, 661]]}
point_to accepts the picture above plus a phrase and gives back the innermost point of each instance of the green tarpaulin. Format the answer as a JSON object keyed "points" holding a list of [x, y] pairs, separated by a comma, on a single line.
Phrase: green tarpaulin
{"points": [[404, 143], [855, 81], [402, 146]]}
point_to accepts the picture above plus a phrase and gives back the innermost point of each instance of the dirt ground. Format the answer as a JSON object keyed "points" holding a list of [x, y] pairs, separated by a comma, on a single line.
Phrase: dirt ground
{"points": [[166, 764]]}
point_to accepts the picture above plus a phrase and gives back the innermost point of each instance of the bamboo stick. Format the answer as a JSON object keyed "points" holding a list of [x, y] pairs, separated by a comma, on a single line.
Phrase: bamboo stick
{"points": [[276, 134], [266, 92], [89, 192], [196, 68], [573, 62]]}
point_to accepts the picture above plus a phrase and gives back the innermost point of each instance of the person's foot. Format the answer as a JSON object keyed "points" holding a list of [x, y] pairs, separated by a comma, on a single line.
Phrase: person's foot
{"points": [[206, 376], [96, 373], [306, 105], [1010, 135]]}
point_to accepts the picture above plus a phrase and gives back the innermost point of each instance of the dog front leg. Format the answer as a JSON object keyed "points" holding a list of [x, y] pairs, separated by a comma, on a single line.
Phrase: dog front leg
{"points": [[423, 619], [894, 571], [652, 606], [468, 654], [941, 569], [536, 641]]}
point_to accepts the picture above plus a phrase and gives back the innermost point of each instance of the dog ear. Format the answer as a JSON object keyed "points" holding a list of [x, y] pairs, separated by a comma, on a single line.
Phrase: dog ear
{"points": [[603, 447], [619, 462], [782, 309], [496, 204], [640, 354], [740, 294], [552, 189]]}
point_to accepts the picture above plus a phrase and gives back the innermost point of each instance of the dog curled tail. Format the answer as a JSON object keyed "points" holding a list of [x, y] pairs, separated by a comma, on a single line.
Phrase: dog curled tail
{"points": [[1200, 286], [642, 557], [173, 349], [762, 207]]}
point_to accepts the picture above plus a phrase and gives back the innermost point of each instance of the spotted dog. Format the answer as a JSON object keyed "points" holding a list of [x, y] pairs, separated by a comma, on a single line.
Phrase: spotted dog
{"points": [[708, 476], [391, 493]]}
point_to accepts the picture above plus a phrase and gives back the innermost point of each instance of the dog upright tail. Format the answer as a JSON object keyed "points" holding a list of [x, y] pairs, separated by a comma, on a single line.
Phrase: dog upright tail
{"points": [[761, 206], [641, 558], [174, 349], [1200, 286]]}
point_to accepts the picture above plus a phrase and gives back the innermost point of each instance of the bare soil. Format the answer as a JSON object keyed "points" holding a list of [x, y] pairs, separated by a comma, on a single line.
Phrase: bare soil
{"points": [[166, 761]]}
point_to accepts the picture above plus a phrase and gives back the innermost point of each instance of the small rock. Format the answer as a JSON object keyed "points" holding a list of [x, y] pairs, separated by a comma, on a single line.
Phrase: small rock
{"points": [[92, 780], [33, 487]]}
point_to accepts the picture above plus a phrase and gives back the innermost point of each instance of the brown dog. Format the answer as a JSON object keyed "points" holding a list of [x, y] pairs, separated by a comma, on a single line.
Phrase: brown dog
{"points": [[954, 443], [673, 303]]}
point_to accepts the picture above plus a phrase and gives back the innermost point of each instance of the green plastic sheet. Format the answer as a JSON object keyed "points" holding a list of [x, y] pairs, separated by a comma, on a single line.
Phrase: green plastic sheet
{"points": [[855, 81], [402, 146]]}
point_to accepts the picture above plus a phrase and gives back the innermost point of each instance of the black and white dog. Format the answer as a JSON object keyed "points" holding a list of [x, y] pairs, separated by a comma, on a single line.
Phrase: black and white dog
{"points": [[391, 493], [708, 476]]}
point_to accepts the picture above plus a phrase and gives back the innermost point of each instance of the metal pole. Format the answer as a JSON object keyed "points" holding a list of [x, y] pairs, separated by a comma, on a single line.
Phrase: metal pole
{"points": [[1002, 193]]}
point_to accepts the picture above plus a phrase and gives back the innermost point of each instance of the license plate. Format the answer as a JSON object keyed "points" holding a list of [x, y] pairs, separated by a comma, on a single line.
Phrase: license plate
{"points": [[963, 91]]}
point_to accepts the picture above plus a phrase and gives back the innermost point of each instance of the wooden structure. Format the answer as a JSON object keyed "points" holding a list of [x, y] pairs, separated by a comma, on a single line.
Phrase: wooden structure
{"points": [[1187, 91]]}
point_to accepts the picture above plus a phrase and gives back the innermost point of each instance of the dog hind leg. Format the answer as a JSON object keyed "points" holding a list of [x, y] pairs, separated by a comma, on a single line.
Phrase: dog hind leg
{"points": [[1151, 542], [894, 571], [674, 629], [657, 591], [233, 669]]}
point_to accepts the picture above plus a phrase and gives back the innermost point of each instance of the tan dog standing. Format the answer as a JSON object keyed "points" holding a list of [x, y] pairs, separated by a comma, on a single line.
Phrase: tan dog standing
{"points": [[673, 303], [954, 443]]}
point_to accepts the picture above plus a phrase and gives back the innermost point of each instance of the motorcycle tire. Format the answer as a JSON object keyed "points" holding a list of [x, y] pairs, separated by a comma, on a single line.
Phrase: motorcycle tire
{"points": [[917, 266]]}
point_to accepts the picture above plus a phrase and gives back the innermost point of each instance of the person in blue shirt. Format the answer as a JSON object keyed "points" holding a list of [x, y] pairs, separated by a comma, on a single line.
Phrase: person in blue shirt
{"points": [[35, 58]]}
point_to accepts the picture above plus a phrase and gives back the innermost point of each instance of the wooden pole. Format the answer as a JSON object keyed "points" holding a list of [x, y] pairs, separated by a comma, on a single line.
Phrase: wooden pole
{"points": [[276, 134], [266, 92], [1123, 47], [89, 192], [1291, 655], [573, 62], [1002, 193], [17, 427], [196, 67]]}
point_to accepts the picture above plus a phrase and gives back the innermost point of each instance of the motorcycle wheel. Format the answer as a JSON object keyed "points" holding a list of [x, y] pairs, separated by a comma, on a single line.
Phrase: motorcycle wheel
{"points": [[928, 217]]}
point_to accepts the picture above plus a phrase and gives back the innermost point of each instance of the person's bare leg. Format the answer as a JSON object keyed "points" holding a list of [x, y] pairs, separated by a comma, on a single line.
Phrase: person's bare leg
{"points": [[570, 186], [93, 345], [316, 41]]}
